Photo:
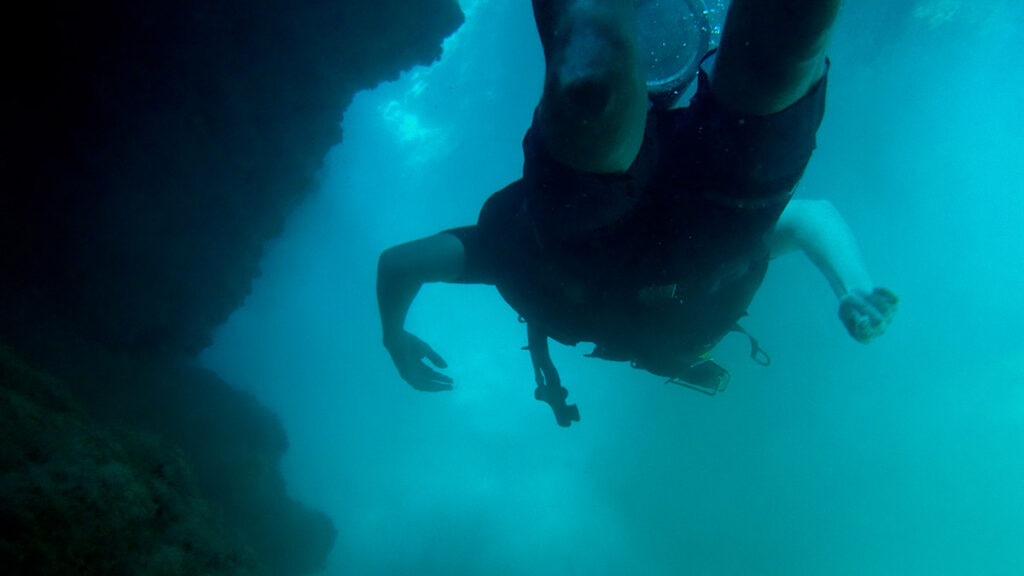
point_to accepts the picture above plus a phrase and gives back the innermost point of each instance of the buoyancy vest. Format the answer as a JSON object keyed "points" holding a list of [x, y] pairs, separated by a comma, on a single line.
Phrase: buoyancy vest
{"points": [[657, 286]]}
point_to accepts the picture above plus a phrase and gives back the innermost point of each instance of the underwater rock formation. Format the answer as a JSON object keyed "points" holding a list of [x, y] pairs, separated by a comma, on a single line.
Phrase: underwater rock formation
{"points": [[80, 497], [151, 148], [231, 443], [149, 152]]}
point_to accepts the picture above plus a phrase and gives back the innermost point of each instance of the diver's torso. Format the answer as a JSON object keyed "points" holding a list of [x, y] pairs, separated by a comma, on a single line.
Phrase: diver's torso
{"points": [[669, 278]]}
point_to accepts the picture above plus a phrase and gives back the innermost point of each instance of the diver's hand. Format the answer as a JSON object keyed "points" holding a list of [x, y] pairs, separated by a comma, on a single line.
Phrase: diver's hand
{"points": [[407, 352], [867, 315]]}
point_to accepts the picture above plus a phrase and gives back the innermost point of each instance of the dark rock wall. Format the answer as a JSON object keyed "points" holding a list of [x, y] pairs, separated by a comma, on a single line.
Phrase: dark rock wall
{"points": [[148, 151], [80, 497], [231, 443]]}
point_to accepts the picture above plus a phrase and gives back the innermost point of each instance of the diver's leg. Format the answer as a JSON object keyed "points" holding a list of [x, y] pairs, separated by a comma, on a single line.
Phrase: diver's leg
{"points": [[772, 52], [592, 113]]}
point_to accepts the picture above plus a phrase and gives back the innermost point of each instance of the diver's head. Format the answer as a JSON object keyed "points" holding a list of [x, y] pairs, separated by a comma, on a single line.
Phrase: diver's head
{"points": [[674, 35]]}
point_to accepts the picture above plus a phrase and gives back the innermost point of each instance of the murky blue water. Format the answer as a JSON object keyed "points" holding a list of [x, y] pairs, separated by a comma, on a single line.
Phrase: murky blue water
{"points": [[905, 456]]}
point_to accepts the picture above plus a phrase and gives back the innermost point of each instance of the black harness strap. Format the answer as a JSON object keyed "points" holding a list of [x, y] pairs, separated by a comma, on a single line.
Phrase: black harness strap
{"points": [[549, 385], [704, 375], [756, 352]]}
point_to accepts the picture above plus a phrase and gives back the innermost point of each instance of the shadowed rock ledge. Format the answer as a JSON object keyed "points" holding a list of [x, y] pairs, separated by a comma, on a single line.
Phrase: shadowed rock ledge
{"points": [[81, 497], [149, 151], [151, 148]]}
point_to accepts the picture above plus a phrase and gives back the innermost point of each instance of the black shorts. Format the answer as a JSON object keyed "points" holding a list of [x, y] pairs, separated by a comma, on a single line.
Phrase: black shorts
{"points": [[720, 178], [657, 264]]}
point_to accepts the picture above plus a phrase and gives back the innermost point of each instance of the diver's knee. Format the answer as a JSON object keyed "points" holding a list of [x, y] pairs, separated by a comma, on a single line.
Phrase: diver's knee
{"points": [[593, 73], [586, 98], [594, 106]]}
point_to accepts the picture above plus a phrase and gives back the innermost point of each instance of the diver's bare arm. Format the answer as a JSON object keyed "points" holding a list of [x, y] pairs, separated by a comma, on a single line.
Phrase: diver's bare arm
{"points": [[816, 228], [401, 272]]}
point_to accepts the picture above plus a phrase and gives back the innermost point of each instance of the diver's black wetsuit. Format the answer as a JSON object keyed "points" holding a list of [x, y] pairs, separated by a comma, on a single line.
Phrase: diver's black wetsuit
{"points": [[655, 265]]}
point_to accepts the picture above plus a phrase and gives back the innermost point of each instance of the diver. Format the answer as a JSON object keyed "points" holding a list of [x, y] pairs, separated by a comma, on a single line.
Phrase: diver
{"points": [[642, 225]]}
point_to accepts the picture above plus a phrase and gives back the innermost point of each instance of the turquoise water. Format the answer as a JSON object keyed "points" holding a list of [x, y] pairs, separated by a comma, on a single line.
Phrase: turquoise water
{"points": [[901, 457]]}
